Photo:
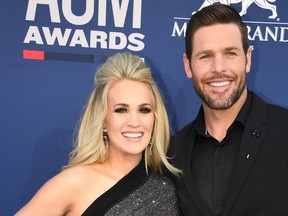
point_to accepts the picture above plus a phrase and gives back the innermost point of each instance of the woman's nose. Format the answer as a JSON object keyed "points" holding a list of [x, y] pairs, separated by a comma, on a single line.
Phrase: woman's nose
{"points": [[134, 119]]}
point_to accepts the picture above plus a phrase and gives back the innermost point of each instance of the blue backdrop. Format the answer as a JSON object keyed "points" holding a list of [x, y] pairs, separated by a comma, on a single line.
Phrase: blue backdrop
{"points": [[49, 54]]}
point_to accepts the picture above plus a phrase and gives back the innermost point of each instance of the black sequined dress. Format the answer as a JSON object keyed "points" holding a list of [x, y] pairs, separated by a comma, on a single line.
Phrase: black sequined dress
{"points": [[137, 194]]}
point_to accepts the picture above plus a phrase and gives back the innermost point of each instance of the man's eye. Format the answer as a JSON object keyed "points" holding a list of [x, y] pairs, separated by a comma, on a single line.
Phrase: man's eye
{"points": [[145, 110], [231, 54], [120, 110], [204, 57]]}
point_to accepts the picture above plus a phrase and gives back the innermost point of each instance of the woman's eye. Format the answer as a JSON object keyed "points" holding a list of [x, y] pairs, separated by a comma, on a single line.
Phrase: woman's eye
{"points": [[120, 110], [145, 110]]}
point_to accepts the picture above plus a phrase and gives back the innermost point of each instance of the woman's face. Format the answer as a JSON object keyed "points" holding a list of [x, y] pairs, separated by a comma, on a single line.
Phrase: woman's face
{"points": [[130, 118]]}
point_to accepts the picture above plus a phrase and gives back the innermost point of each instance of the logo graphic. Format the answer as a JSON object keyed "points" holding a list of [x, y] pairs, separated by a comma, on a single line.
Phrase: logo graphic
{"points": [[62, 24], [245, 5], [258, 30]]}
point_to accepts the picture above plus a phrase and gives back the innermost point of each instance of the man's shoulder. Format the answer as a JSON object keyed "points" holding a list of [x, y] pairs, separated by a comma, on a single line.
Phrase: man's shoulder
{"points": [[273, 109], [277, 113], [276, 108], [184, 131], [265, 112]]}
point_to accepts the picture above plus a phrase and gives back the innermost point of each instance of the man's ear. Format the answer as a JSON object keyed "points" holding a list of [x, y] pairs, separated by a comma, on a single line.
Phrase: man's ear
{"points": [[187, 66], [248, 59]]}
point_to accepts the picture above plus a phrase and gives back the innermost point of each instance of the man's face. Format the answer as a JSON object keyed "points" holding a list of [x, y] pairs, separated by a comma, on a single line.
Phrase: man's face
{"points": [[218, 65]]}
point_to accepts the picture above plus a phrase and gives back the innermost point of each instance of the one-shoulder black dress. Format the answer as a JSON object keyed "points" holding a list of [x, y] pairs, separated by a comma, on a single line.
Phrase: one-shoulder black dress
{"points": [[137, 194]]}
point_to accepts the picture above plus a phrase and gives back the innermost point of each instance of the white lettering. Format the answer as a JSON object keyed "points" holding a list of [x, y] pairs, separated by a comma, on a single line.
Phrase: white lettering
{"points": [[102, 5], [53, 9], [177, 31], [248, 32], [78, 20], [33, 34], [139, 45], [273, 35], [98, 37], [282, 36], [119, 12], [117, 40], [257, 33], [79, 38], [95, 39], [137, 13], [265, 33], [56, 35]]}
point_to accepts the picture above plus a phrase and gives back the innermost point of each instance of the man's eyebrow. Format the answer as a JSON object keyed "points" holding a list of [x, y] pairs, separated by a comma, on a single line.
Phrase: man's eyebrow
{"points": [[231, 48], [203, 52]]}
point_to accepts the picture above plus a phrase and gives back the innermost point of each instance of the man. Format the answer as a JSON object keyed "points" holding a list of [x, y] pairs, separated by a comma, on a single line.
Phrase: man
{"points": [[234, 155]]}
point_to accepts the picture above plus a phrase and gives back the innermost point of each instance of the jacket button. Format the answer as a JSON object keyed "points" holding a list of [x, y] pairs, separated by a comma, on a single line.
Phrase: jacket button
{"points": [[255, 133]]}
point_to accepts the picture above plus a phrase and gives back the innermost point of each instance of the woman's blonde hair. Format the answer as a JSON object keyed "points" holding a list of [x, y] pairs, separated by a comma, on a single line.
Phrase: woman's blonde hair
{"points": [[90, 146]]}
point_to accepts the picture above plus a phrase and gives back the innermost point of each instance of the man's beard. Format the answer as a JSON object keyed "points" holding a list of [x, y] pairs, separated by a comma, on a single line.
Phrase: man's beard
{"points": [[220, 102]]}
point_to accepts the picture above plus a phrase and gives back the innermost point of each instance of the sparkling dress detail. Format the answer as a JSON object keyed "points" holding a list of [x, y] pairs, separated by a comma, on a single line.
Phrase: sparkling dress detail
{"points": [[137, 194]]}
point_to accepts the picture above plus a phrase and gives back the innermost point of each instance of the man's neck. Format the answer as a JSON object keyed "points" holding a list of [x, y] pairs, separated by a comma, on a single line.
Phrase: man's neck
{"points": [[217, 122]]}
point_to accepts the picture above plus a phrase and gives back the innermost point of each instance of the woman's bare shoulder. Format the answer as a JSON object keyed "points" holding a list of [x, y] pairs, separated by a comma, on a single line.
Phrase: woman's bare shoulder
{"points": [[60, 194]]}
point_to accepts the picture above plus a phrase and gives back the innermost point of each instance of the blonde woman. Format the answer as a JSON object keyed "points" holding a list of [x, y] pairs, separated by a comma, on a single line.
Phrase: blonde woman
{"points": [[115, 167]]}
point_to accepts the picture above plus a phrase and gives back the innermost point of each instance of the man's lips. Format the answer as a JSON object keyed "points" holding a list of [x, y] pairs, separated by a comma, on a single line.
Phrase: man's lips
{"points": [[219, 83]]}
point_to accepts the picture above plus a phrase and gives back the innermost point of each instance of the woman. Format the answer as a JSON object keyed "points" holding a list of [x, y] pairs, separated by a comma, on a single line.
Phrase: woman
{"points": [[115, 166]]}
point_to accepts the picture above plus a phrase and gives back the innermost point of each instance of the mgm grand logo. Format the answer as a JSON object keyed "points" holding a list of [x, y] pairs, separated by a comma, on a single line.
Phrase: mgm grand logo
{"points": [[261, 30], [265, 4]]}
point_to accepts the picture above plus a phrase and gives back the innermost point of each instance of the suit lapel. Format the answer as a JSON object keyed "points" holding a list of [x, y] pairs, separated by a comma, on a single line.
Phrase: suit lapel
{"points": [[252, 140]]}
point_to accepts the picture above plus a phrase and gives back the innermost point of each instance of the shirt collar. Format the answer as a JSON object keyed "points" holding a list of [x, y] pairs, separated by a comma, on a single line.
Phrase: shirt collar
{"points": [[199, 125]]}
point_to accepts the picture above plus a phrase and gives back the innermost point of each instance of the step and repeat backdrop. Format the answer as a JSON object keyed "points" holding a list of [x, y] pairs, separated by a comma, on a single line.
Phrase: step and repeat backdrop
{"points": [[49, 54]]}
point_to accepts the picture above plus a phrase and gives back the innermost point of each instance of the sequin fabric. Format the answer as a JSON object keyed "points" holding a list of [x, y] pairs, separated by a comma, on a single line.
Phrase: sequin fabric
{"points": [[157, 196]]}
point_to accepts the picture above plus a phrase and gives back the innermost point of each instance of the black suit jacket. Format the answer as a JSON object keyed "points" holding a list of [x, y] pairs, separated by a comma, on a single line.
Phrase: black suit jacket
{"points": [[259, 185]]}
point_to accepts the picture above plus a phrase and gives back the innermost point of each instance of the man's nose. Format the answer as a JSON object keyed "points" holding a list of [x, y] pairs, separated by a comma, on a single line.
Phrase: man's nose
{"points": [[219, 64]]}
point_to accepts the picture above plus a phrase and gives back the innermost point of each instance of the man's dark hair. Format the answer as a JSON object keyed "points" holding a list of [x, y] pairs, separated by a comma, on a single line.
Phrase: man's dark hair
{"points": [[210, 15]]}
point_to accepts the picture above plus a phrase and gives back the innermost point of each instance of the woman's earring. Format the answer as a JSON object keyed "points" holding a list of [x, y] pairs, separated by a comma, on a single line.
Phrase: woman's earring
{"points": [[151, 142], [150, 147], [105, 136]]}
